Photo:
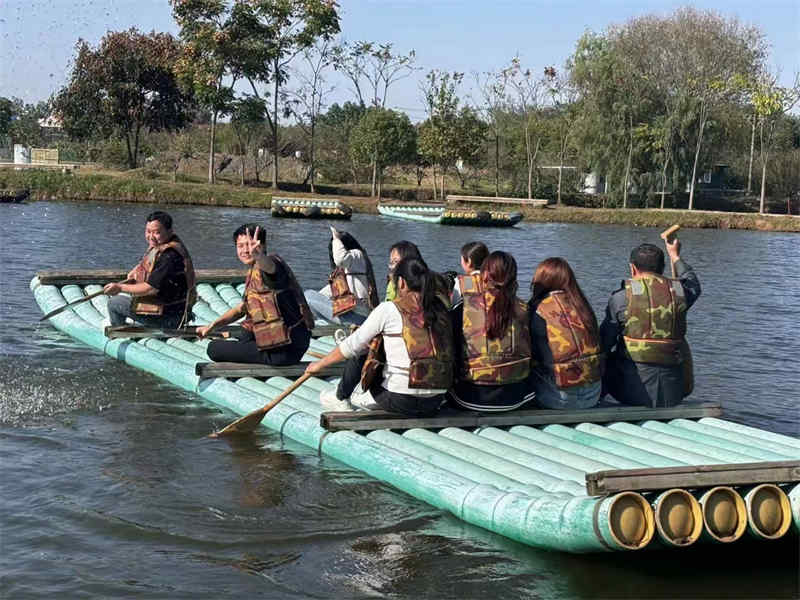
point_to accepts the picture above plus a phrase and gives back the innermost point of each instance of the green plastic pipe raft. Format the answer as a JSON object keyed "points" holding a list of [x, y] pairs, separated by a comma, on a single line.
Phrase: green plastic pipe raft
{"points": [[525, 483]]}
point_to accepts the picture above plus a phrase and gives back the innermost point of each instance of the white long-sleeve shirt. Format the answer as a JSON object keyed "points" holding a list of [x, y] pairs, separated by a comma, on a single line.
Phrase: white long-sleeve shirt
{"points": [[352, 261], [456, 295], [386, 318]]}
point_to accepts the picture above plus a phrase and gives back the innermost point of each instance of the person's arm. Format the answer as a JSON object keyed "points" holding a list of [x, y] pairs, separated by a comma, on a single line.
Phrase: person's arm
{"points": [[225, 318], [341, 256], [611, 327], [357, 342], [262, 260], [134, 289]]}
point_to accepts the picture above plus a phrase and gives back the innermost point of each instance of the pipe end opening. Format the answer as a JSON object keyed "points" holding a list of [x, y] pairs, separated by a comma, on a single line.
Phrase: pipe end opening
{"points": [[631, 520], [724, 514]]}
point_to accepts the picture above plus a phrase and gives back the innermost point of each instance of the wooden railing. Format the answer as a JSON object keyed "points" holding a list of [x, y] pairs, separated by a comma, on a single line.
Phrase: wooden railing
{"points": [[535, 202]]}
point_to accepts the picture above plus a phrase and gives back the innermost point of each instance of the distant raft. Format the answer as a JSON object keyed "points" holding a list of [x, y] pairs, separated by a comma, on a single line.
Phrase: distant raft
{"points": [[310, 208], [439, 213], [14, 196]]}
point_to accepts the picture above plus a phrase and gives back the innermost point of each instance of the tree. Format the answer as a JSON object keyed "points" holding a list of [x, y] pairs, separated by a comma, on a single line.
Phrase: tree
{"points": [[385, 137], [289, 27], [125, 86], [335, 127], [771, 103], [20, 121], [492, 87], [6, 115], [222, 44], [309, 96], [563, 96], [528, 91], [247, 121], [372, 68]]}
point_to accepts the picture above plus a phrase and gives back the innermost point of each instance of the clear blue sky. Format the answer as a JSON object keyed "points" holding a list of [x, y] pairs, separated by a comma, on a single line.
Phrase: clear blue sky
{"points": [[37, 37]]}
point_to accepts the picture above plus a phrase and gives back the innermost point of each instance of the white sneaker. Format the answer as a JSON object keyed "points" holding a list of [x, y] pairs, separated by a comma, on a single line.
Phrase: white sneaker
{"points": [[330, 403], [363, 400]]}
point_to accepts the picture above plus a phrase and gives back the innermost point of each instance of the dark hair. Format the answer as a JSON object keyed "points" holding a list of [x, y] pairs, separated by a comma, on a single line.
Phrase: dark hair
{"points": [[499, 273], [349, 243], [407, 250], [420, 279], [251, 227], [647, 257], [161, 217], [474, 253], [555, 274]]}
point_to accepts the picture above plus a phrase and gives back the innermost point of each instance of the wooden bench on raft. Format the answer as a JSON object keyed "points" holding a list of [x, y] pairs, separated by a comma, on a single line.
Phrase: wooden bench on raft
{"points": [[370, 420], [534, 202], [236, 370], [103, 276]]}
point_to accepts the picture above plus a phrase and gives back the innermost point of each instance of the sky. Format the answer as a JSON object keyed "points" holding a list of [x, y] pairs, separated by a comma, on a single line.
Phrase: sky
{"points": [[37, 37]]}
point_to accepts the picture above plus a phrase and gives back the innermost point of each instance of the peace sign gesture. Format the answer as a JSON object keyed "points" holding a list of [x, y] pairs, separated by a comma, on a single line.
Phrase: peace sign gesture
{"points": [[254, 246]]}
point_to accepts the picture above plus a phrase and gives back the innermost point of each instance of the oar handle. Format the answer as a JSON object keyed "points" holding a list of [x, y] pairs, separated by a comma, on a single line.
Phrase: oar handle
{"points": [[298, 382]]}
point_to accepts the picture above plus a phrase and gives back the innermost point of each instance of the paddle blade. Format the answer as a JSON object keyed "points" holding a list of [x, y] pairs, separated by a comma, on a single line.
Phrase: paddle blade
{"points": [[247, 424]]}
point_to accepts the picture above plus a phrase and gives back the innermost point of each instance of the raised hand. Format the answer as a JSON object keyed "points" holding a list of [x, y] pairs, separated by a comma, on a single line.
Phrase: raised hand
{"points": [[254, 246]]}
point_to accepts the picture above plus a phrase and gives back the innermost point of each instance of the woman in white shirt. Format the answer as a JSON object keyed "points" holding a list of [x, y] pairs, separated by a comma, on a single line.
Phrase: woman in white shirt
{"points": [[472, 256], [352, 293], [417, 340]]}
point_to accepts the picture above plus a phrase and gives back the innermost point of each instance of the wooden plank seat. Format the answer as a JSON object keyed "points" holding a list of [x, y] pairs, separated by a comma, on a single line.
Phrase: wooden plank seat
{"points": [[535, 202], [236, 370], [370, 420], [692, 476], [137, 333], [102, 276]]}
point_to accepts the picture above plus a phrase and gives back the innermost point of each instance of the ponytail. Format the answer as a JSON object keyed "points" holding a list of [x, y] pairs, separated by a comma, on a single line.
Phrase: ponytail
{"points": [[499, 274], [421, 280]]}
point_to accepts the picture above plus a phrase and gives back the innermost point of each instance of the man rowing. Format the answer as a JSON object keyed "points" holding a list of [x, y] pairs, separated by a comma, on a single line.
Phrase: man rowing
{"points": [[160, 290], [279, 323], [645, 325]]}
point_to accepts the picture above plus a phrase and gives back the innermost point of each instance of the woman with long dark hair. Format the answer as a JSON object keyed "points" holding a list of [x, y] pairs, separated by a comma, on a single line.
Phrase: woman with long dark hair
{"points": [[410, 337], [492, 336], [351, 292], [472, 256], [566, 344]]}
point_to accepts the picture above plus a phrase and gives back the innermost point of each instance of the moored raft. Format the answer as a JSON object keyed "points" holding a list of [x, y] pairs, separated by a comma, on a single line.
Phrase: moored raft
{"points": [[441, 214], [652, 478], [310, 208], [14, 196]]}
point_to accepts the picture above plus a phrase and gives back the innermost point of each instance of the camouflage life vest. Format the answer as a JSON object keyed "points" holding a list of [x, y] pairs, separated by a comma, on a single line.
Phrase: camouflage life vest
{"points": [[343, 298], [656, 319], [430, 349], [152, 304], [577, 359], [264, 317], [493, 361]]}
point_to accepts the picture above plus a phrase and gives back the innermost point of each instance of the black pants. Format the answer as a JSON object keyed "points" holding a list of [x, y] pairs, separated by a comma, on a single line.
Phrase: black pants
{"points": [[407, 404], [245, 350], [351, 376], [641, 384]]}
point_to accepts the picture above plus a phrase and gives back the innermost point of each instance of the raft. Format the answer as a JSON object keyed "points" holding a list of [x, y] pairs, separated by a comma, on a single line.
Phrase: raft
{"points": [[439, 213], [304, 208], [14, 196], [549, 479]]}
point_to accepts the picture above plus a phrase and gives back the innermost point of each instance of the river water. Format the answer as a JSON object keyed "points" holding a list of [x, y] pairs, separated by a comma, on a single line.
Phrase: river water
{"points": [[109, 487]]}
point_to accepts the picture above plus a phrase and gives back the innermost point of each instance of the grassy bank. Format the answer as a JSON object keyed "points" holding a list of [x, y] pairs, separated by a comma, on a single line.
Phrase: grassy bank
{"points": [[136, 186]]}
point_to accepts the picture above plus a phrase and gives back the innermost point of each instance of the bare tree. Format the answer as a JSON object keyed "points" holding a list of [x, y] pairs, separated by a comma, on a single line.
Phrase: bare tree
{"points": [[493, 89], [528, 91]]}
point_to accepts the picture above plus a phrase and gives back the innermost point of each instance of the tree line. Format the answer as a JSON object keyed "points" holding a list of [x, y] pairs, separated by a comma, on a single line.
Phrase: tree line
{"points": [[648, 105]]}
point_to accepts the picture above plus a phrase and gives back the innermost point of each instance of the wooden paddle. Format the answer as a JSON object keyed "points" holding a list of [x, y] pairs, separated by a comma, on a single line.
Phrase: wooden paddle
{"points": [[135, 333], [688, 361], [248, 423], [61, 309]]}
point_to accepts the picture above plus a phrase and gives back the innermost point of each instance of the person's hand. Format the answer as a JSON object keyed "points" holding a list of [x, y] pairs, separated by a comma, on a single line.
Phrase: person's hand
{"points": [[314, 367], [254, 246], [112, 289], [673, 248], [334, 232], [202, 331]]}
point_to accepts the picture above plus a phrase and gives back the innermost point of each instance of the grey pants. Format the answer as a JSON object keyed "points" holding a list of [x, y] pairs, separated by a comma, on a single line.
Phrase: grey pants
{"points": [[119, 309]]}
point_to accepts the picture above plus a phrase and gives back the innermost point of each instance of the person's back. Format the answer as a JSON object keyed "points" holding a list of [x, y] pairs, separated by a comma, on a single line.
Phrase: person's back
{"points": [[492, 337], [644, 330], [568, 361]]}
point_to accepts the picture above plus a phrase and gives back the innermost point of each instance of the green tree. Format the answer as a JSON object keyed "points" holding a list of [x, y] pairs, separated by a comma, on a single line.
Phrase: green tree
{"points": [[288, 28], [125, 86], [222, 44], [247, 121], [335, 127], [385, 137]]}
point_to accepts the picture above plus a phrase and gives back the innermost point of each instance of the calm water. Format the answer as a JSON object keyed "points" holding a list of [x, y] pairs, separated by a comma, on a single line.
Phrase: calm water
{"points": [[109, 487]]}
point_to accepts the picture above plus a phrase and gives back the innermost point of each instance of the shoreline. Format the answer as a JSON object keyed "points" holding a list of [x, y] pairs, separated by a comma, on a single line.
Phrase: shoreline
{"points": [[103, 187]]}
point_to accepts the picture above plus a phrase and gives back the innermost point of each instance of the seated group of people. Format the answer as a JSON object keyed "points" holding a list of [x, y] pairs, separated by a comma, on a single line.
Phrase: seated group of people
{"points": [[462, 339]]}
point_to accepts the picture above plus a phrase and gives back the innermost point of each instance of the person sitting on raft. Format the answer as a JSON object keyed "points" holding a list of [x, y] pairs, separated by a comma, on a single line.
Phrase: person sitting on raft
{"points": [[399, 251], [645, 325], [163, 291], [277, 330], [492, 339], [472, 256], [568, 362], [351, 293], [410, 338]]}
